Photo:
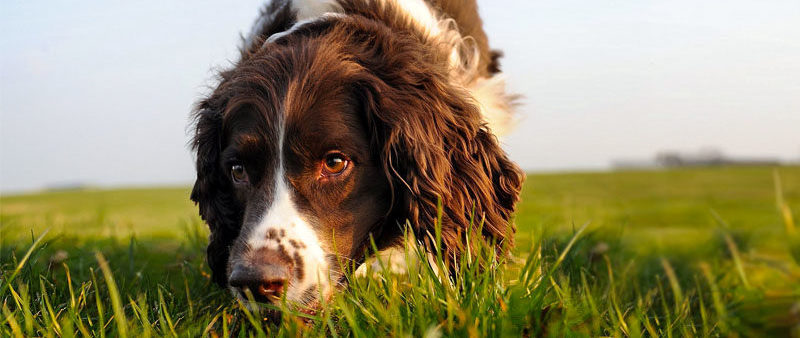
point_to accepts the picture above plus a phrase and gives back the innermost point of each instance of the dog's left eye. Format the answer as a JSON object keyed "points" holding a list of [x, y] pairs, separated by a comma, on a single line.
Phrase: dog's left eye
{"points": [[334, 164]]}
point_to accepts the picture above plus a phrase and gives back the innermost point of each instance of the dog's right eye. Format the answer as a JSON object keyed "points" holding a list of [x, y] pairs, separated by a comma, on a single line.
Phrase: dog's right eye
{"points": [[238, 174]]}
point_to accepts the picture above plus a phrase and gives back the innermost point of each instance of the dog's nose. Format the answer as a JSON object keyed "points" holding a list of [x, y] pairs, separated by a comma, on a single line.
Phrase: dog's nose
{"points": [[264, 275]]}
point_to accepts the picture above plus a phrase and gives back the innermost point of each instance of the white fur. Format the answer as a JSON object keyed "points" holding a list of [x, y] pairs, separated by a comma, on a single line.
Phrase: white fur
{"points": [[419, 12], [300, 24], [493, 100], [392, 259], [395, 260], [308, 9]]}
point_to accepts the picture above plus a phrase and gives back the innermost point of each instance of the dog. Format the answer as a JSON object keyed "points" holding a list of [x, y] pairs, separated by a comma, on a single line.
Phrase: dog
{"points": [[345, 122]]}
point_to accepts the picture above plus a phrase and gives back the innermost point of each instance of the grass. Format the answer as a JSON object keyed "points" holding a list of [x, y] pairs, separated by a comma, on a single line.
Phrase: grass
{"points": [[692, 252]]}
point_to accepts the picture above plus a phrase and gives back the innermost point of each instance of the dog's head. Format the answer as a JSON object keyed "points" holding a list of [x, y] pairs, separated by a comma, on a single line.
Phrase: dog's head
{"points": [[331, 133]]}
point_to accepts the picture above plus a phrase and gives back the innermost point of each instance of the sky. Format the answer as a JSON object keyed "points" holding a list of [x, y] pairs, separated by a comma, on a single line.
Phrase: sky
{"points": [[100, 92]]}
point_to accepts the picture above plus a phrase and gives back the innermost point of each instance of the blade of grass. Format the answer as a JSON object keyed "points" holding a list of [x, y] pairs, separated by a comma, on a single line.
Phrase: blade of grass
{"points": [[23, 302], [677, 293], [716, 297], [113, 292], [734, 250], [98, 304], [250, 318], [164, 314], [141, 313], [623, 326], [68, 331], [21, 264], [69, 285], [16, 330], [783, 208], [667, 314], [225, 332], [792, 236], [49, 308], [210, 325], [188, 295], [567, 248]]}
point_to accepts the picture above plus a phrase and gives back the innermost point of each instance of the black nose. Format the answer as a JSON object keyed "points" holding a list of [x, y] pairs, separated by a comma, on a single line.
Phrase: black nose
{"points": [[264, 275]]}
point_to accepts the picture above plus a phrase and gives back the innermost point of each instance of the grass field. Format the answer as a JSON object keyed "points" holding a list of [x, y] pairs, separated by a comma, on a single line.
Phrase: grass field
{"points": [[691, 252]]}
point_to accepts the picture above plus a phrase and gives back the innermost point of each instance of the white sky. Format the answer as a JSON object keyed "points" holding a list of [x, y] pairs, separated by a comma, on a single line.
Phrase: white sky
{"points": [[99, 92]]}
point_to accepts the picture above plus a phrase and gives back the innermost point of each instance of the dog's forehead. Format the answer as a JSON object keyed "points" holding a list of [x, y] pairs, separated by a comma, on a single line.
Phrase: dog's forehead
{"points": [[288, 86], [312, 128]]}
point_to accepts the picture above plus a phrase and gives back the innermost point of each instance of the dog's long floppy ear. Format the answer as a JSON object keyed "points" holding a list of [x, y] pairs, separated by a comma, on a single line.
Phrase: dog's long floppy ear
{"points": [[435, 146], [213, 193]]}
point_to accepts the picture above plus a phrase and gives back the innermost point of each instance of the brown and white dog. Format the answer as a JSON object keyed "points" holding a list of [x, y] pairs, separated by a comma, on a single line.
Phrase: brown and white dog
{"points": [[345, 120]]}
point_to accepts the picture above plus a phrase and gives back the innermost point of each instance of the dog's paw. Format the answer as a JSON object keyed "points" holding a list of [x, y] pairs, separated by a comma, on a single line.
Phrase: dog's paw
{"points": [[392, 260]]}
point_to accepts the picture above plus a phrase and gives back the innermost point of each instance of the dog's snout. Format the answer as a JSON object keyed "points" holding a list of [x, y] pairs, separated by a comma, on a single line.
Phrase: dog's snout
{"points": [[264, 275]]}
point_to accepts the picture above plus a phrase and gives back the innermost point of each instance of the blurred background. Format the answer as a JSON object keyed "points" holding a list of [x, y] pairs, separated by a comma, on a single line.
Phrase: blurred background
{"points": [[98, 93]]}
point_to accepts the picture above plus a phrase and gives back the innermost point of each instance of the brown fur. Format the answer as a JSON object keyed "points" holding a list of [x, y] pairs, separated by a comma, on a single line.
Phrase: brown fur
{"points": [[368, 86]]}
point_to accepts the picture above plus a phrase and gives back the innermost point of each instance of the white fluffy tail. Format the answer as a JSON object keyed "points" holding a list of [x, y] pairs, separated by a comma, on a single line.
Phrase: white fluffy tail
{"points": [[497, 106]]}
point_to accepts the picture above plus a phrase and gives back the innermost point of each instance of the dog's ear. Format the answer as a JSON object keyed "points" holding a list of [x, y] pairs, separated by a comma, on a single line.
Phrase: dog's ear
{"points": [[435, 146], [213, 192], [276, 16]]}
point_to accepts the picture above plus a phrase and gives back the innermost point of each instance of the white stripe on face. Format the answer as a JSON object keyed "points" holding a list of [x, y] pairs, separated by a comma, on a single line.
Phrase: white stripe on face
{"points": [[283, 229]]}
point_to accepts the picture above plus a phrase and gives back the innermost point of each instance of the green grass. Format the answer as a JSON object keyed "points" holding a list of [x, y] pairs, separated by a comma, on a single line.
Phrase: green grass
{"points": [[694, 252]]}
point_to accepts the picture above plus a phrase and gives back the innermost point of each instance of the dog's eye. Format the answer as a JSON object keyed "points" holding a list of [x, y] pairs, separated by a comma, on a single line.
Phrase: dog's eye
{"points": [[334, 164], [238, 174]]}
